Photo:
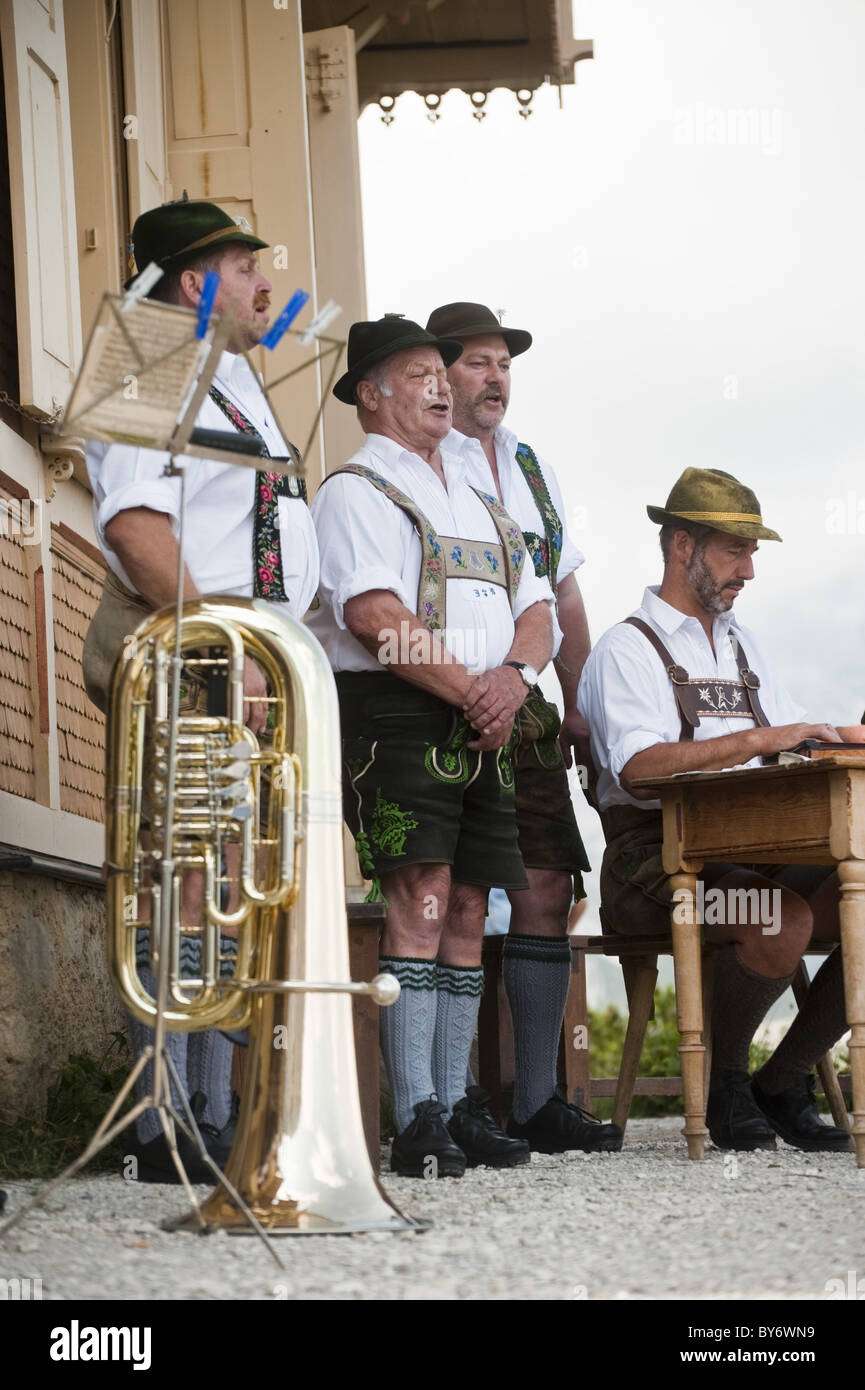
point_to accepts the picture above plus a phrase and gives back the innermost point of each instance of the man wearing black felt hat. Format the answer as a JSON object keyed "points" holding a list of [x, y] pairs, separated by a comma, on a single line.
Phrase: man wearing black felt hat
{"points": [[247, 533], [536, 957], [431, 615]]}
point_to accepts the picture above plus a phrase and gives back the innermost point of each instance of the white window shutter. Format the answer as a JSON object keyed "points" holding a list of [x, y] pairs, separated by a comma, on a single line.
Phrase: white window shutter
{"points": [[144, 118], [43, 200]]}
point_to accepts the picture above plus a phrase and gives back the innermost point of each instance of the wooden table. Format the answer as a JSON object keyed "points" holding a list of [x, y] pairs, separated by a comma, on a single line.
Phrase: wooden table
{"points": [[806, 813]]}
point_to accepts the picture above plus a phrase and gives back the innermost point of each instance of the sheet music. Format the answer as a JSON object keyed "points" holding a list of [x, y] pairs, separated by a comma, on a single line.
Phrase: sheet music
{"points": [[137, 375]]}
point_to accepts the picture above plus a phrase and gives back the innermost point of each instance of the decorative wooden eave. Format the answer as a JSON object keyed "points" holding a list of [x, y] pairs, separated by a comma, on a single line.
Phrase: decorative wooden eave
{"points": [[433, 46]]}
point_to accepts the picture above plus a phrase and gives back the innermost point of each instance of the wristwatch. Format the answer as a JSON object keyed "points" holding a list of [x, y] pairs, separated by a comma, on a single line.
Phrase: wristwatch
{"points": [[528, 673]]}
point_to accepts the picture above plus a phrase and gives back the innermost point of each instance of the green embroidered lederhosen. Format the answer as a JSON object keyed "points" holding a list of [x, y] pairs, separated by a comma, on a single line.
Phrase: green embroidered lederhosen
{"points": [[549, 837], [392, 730]]}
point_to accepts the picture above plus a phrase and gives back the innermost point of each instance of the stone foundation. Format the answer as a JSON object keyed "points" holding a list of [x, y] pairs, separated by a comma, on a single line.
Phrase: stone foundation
{"points": [[55, 996]]}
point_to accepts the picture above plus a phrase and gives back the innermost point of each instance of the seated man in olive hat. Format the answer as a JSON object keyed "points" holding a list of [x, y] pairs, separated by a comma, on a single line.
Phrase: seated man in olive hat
{"points": [[435, 624], [247, 533], [536, 962], [716, 715]]}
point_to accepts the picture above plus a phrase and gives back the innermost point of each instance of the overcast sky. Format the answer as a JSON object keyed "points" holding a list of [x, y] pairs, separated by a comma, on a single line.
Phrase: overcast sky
{"points": [[685, 241]]}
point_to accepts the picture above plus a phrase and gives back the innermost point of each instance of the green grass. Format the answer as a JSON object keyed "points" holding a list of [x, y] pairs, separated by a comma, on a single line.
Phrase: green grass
{"points": [[34, 1146]]}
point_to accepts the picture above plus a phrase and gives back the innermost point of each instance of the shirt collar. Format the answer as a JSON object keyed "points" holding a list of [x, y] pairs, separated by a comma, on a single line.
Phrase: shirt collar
{"points": [[391, 452], [458, 443], [670, 619], [233, 369]]}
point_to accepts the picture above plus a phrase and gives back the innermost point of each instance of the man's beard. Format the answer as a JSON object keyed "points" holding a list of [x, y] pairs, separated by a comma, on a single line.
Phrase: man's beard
{"points": [[475, 412], [706, 586]]}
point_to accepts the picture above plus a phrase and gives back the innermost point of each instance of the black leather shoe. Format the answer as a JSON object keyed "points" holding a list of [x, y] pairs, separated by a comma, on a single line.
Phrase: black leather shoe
{"points": [[155, 1164], [558, 1127], [793, 1114], [734, 1119], [425, 1148], [218, 1142], [479, 1137]]}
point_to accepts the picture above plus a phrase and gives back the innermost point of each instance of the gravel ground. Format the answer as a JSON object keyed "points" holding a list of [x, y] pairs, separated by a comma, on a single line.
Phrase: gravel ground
{"points": [[643, 1224]]}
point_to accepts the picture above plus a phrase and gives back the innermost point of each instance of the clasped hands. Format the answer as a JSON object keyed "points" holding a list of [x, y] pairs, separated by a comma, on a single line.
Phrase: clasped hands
{"points": [[491, 704]]}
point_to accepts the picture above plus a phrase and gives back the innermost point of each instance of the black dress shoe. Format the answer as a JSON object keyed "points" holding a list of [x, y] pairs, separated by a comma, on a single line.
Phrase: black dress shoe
{"points": [[425, 1148], [558, 1127], [155, 1164], [479, 1137], [218, 1142], [793, 1114], [734, 1119]]}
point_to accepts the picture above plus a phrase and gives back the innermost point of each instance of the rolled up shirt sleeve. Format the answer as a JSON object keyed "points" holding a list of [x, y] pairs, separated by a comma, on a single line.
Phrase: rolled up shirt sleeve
{"points": [[532, 590], [628, 705], [129, 478], [357, 528]]}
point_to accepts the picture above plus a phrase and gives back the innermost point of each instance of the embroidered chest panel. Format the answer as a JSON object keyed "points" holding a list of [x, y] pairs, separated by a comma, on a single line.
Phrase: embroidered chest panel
{"points": [[707, 698]]}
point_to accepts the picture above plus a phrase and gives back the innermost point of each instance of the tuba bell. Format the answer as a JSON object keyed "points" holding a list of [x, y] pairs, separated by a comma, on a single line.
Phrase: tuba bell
{"points": [[259, 826]]}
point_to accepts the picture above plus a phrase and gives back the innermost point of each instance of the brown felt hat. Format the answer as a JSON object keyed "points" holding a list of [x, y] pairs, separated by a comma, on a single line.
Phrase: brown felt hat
{"points": [[712, 498], [465, 320], [369, 343]]}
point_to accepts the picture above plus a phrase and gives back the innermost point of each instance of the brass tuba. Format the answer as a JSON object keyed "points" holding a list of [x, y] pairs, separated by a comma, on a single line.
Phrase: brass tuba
{"points": [[261, 827]]}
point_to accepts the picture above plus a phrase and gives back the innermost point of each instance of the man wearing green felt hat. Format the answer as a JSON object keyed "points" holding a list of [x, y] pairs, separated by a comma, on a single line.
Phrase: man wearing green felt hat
{"points": [[681, 686], [247, 534]]}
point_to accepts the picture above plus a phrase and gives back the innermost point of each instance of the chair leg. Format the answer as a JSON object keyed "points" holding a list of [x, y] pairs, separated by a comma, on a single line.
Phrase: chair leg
{"points": [[575, 1034], [825, 1069], [643, 972]]}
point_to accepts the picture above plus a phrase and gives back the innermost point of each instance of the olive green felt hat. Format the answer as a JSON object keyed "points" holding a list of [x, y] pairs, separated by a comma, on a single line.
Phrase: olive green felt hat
{"points": [[167, 233], [465, 320], [375, 341], [712, 498]]}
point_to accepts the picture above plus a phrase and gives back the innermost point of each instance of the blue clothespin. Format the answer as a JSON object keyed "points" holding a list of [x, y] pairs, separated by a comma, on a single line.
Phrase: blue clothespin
{"points": [[285, 319], [205, 304]]}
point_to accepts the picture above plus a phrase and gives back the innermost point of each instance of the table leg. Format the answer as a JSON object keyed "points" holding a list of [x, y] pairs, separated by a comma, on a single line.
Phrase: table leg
{"points": [[852, 912], [689, 1008]]}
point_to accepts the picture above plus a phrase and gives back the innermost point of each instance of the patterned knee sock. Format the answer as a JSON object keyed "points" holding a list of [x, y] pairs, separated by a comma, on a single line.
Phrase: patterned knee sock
{"points": [[459, 995], [740, 1001], [821, 1021], [536, 972], [208, 1068], [407, 1029]]}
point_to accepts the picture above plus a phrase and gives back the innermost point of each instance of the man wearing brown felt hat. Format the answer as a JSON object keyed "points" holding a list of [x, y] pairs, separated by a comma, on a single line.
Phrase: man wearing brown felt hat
{"points": [[681, 686], [430, 614], [536, 962]]}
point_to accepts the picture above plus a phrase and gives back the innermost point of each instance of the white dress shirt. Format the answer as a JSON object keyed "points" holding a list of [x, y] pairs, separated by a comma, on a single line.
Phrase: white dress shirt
{"points": [[219, 499], [366, 542], [627, 696], [517, 497]]}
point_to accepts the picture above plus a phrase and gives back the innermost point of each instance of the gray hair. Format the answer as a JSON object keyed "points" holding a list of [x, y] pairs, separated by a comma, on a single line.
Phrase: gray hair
{"points": [[378, 375]]}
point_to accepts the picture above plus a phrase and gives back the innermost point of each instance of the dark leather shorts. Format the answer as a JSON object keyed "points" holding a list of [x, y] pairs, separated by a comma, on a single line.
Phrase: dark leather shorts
{"points": [[415, 794], [549, 837]]}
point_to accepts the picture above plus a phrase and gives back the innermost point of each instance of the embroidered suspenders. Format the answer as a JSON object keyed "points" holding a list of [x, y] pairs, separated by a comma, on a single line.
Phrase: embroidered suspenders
{"points": [[546, 550], [448, 557], [702, 697]]}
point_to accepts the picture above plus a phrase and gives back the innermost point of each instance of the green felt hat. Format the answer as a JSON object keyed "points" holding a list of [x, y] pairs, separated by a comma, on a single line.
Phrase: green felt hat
{"points": [[175, 230], [464, 320], [712, 498], [369, 343]]}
